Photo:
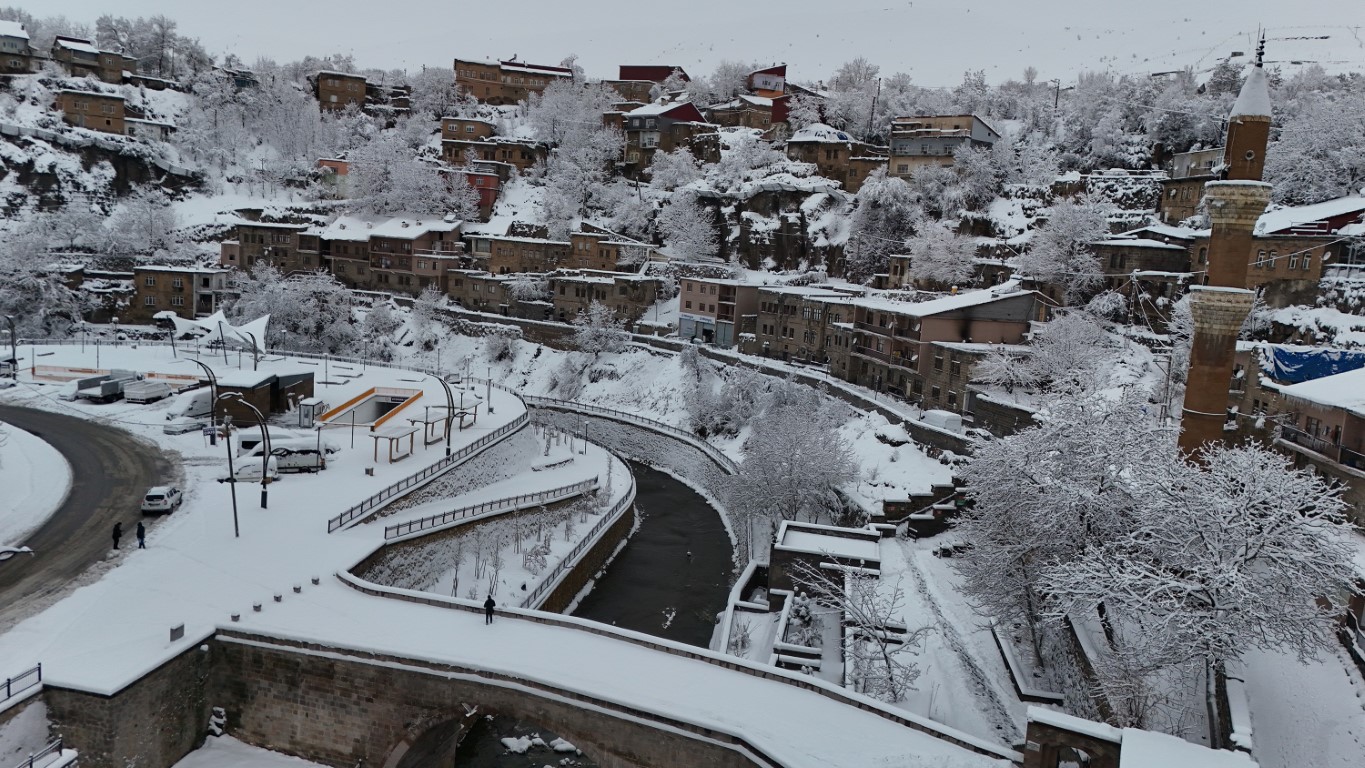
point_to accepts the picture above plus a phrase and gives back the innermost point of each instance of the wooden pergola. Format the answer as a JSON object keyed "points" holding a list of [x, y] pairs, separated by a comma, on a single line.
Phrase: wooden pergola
{"points": [[395, 436]]}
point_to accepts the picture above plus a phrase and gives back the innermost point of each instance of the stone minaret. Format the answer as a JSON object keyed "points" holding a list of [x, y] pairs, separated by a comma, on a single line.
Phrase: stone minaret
{"points": [[1222, 303]]}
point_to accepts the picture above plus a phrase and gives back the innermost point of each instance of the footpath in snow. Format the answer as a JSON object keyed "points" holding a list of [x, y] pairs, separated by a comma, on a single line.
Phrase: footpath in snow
{"points": [[34, 481]]}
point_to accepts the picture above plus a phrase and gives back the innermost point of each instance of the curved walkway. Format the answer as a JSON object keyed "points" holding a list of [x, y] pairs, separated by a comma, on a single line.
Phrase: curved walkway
{"points": [[110, 471]]}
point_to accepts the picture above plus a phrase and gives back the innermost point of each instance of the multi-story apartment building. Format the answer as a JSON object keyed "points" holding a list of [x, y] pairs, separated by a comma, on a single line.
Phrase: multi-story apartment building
{"points": [[838, 156], [405, 254], [520, 153], [506, 82], [802, 324], [743, 111], [932, 139], [630, 296], [16, 57], [187, 291], [524, 295], [337, 90], [466, 128], [95, 111], [891, 341], [508, 254], [711, 310]]}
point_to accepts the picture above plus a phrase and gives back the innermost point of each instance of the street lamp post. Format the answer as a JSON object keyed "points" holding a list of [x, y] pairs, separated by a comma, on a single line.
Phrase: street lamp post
{"points": [[255, 349], [585, 437], [13, 348], [213, 397], [232, 474], [265, 440]]}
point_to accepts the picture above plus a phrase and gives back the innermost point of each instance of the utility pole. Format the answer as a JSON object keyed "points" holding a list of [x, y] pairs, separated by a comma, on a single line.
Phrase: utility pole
{"points": [[872, 113]]}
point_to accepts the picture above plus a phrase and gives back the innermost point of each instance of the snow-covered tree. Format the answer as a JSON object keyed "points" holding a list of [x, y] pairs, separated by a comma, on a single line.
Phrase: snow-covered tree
{"points": [[1006, 368], [435, 94], [887, 213], [426, 321], [40, 303], [378, 329], [670, 170], [805, 110], [689, 228], [143, 226], [1320, 151], [877, 643], [1061, 253], [1071, 352], [308, 312], [939, 255], [597, 329], [1228, 554], [794, 463], [386, 178]]}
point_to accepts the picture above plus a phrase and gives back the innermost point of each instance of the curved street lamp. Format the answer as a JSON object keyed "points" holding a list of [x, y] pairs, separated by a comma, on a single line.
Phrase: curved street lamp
{"points": [[265, 438], [13, 348], [213, 400], [450, 407]]}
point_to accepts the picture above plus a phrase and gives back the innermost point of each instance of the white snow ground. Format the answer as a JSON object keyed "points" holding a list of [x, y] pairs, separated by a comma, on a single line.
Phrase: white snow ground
{"points": [[35, 480], [1305, 714], [227, 752]]}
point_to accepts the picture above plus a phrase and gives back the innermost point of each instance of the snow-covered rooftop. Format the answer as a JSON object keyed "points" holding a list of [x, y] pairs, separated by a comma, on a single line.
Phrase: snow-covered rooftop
{"points": [[1137, 242], [1165, 230], [845, 543], [12, 29], [1148, 749], [1344, 390], [1287, 218], [653, 110], [403, 227], [81, 46], [819, 132], [941, 305]]}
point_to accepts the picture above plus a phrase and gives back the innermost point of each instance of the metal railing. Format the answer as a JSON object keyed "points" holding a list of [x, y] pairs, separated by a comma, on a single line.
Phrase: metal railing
{"points": [[22, 682], [589, 539], [39, 759], [711, 451], [378, 500], [432, 522]]}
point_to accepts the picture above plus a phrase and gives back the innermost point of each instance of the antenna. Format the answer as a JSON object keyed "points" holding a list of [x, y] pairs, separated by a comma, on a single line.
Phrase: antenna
{"points": [[1260, 50]]}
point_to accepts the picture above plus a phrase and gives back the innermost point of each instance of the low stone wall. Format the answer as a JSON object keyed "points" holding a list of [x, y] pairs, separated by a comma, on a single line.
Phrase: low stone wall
{"points": [[592, 561], [153, 722], [1000, 419]]}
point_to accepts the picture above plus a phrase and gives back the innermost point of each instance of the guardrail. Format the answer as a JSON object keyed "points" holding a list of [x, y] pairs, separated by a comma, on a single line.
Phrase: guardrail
{"points": [[22, 682], [713, 452], [38, 759], [373, 503], [434, 522], [570, 559]]}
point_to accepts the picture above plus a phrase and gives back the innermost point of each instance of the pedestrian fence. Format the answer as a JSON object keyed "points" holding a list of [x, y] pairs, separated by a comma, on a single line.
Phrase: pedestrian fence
{"points": [[590, 538], [378, 500], [47, 756], [436, 522], [22, 682], [711, 451]]}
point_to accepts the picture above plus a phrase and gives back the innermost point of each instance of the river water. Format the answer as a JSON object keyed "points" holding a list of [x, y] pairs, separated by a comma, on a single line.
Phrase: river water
{"points": [[670, 581]]}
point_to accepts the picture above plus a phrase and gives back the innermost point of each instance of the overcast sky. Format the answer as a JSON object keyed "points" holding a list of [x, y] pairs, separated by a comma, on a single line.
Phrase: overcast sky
{"points": [[933, 41]]}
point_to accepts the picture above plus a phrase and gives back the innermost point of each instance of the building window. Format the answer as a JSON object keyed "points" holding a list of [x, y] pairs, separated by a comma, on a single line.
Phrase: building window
{"points": [[1260, 259], [938, 362], [1307, 261], [952, 397], [1293, 260], [934, 392], [686, 304], [177, 283], [177, 301], [149, 281], [149, 301]]}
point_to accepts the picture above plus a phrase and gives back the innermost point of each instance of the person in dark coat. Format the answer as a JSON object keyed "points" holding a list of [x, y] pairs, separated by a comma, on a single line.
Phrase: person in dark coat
{"points": [[488, 606], [141, 535], [118, 533]]}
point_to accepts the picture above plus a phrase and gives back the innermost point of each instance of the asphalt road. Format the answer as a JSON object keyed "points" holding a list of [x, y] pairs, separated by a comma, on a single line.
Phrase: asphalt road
{"points": [[110, 471]]}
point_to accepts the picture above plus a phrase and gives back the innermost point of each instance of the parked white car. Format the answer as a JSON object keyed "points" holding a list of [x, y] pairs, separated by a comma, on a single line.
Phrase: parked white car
{"points": [[161, 500]]}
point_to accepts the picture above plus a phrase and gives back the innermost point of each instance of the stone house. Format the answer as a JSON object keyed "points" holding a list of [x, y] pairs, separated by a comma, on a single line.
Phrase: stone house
{"points": [[80, 58], [838, 156], [629, 295], [511, 295], [710, 310], [94, 111], [466, 128], [931, 140], [16, 57], [337, 90], [189, 292], [505, 82], [521, 153], [403, 254], [267, 241], [743, 111], [1183, 190]]}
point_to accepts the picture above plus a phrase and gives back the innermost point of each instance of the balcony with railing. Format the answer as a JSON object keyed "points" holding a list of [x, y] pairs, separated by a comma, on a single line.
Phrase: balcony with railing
{"points": [[1332, 450], [890, 358]]}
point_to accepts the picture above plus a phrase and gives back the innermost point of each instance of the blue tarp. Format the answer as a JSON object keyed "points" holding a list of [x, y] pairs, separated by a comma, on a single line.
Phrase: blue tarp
{"points": [[1290, 365]]}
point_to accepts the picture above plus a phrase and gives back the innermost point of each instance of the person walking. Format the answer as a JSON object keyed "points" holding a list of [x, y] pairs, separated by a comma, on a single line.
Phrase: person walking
{"points": [[141, 535], [488, 606], [118, 533]]}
